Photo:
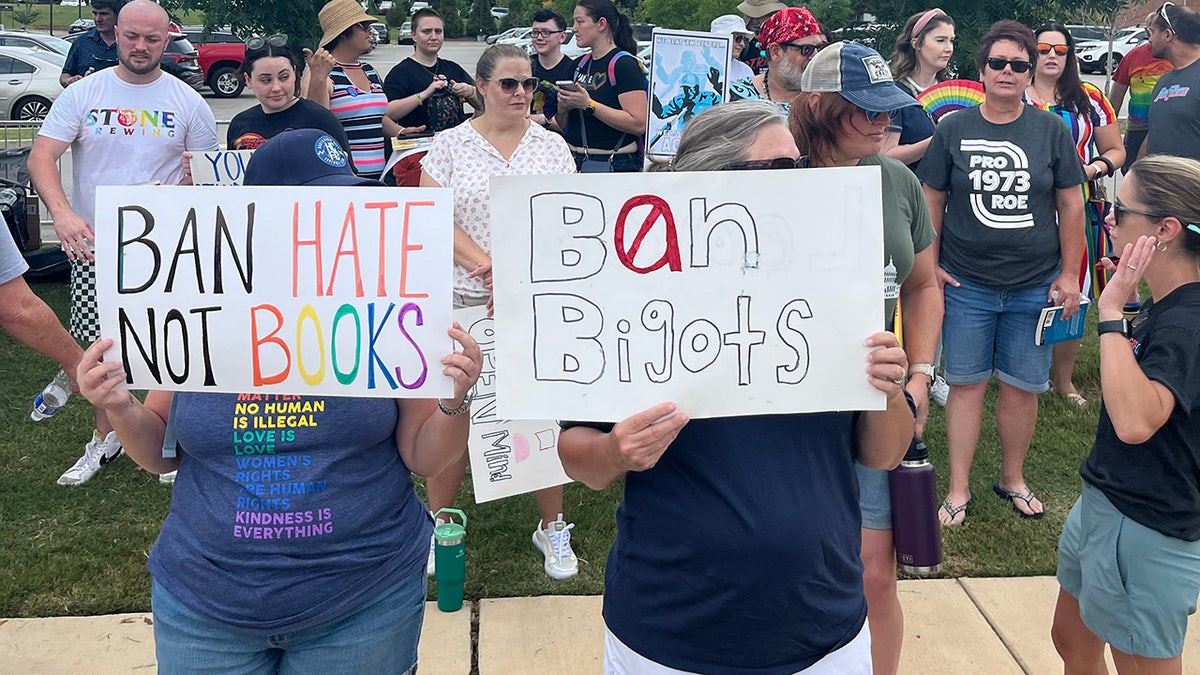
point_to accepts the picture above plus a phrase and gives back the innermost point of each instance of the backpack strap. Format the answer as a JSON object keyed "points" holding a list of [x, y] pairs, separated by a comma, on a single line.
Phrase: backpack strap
{"points": [[612, 66]]}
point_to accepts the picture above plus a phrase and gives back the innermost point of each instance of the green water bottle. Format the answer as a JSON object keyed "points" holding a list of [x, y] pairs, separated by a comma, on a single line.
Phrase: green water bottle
{"points": [[450, 561]]}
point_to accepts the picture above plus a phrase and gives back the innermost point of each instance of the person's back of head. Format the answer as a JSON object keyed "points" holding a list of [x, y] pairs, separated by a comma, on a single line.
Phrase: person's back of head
{"points": [[302, 157], [721, 135]]}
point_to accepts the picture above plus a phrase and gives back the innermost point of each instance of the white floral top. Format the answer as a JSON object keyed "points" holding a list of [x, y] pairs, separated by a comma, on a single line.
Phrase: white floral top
{"points": [[463, 160]]}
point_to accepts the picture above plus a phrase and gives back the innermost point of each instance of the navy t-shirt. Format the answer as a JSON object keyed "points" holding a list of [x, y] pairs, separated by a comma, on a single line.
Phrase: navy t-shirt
{"points": [[739, 551], [592, 74], [288, 511], [1157, 483]]}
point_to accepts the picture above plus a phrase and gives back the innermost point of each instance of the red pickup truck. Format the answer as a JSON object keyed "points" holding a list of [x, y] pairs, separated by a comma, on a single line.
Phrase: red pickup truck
{"points": [[221, 56]]}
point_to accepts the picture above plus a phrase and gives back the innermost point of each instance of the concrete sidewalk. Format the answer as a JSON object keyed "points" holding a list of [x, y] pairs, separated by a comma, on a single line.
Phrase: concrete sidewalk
{"points": [[954, 626]]}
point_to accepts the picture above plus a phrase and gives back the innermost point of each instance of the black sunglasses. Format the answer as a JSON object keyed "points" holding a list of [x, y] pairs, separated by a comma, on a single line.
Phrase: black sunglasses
{"points": [[1162, 11], [1018, 66], [760, 164], [805, 50], [258, 42], [1046, 48], [873, 115], [538, 32], [510, 84], [1119, 210]]}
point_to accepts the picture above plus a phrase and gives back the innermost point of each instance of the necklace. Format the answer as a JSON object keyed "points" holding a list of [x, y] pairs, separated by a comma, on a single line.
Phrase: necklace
{"points": [[767, 85], [437, 67]]}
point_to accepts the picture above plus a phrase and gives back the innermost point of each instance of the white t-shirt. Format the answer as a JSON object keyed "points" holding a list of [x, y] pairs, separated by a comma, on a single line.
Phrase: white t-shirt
{"points": [[125, 134], [12, 263]]}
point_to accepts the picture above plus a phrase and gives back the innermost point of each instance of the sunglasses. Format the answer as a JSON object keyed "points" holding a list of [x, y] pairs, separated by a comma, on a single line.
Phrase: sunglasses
{"points": [[1162, 11], [1046, 48], [805, 50], [258, 42], [510, 84], [1119, 211], [761, 164], [539, 33], [741, 38], [1018, 66], [873, 115]]}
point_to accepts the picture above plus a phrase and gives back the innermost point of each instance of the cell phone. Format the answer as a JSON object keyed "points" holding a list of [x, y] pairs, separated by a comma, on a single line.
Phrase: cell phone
{"points": [[569, 85]]}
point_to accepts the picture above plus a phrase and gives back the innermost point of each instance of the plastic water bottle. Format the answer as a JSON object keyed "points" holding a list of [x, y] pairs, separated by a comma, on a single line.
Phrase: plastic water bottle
{"points": [[915, 527], [53, 397], [450, 560]]}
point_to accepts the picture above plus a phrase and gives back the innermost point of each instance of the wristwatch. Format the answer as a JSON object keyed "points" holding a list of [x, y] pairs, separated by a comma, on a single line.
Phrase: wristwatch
{"points": [[1121, 326], [921, 369], [591, 108]]}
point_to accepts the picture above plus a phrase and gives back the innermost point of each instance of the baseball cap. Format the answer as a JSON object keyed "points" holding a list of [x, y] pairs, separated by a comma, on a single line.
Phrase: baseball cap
{"points": [[302, 157], [759, 8], [729, 24], [789, 23], [859, 74]]}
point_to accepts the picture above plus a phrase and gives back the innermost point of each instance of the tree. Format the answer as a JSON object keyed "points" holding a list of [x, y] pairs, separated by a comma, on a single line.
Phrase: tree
{"points": [[451, 12], [296, 18], [480, 22], [24, 14], [396, 16], [684, 14]]}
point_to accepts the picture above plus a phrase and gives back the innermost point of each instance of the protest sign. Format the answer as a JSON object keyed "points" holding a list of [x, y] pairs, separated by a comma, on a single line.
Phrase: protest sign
{"points": [[730, 293], [219, 167], [341, 291], [688, 75], [508, 457]]}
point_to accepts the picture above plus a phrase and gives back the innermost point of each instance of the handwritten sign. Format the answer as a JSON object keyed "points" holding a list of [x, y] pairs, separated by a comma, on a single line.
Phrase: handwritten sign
{"points": [[220, 167], [730, 293], [285, 290], [688, 75], [508, 457]]}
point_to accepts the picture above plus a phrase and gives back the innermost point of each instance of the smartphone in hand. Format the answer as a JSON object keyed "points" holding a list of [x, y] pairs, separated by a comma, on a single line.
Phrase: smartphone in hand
{"points": [[569, 85]]}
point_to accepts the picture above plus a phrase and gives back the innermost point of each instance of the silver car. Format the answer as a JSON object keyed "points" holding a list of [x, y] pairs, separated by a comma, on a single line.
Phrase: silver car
{"points": [[28, 82]]}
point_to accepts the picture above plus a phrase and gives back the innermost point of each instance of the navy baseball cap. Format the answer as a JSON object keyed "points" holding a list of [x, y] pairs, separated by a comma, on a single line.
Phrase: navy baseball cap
{"points": [[302, 157], [859, 74]]}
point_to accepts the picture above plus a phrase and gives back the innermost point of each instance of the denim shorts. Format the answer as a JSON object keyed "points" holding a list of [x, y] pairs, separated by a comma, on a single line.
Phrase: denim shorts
{"points": [[874, 497], [378, 638], [989, 331], [1136, 586]]}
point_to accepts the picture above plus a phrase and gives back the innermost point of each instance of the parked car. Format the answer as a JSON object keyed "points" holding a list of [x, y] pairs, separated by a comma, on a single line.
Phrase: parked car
{"points": [[518, 38], [493, 39], [380, 31], [1096, 57], [49, 43], [417, 5], [31, 82], [405, 36], [643, 32], [385, 6], [219, 54], [81, 25], [499, 13], [569, 48], [182, 60], [1081, 33], [198, 37]]}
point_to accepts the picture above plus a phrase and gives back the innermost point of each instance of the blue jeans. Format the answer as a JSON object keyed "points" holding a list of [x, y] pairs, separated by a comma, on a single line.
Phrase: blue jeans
{"points": [[378, 638]]}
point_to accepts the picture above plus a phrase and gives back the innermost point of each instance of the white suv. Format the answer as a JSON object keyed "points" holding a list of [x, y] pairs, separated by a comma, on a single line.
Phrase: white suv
{"points": [[1096, 57]]}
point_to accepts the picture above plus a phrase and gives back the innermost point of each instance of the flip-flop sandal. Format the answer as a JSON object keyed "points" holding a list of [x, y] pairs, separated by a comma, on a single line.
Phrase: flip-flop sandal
{"points": [[1011, 497], [952, 510], [1073, 397]]}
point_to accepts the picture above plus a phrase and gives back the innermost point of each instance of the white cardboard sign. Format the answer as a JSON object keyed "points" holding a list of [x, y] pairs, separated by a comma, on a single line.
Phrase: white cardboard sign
{"points": [[340, 291], [220, 167], [729, 293], [508, 457]]}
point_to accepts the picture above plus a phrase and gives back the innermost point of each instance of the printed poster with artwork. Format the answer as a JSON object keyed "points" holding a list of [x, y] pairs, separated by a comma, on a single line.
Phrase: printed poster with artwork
{"points": [[688, 75], [508, 457]]}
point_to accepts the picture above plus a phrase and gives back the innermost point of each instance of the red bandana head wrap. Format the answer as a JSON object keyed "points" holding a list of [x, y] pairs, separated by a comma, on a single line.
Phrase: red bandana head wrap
{"points": [[786, 25]]}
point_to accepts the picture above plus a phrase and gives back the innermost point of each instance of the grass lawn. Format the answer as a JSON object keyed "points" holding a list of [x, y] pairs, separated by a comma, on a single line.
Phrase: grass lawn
{"points": [[83, 550]]}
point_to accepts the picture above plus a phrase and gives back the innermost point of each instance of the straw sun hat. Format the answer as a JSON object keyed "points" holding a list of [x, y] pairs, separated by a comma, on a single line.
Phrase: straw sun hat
{"points": [[338, 15]]}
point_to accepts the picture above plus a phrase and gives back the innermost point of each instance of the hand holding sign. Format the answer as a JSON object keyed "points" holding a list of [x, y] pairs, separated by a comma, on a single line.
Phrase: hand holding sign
{"points": [[463, 366], [102, 383], [637, 442]]}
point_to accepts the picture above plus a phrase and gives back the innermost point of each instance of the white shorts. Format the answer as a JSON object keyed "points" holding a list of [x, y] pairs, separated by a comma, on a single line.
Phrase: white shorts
{"points": [[853, 658]]}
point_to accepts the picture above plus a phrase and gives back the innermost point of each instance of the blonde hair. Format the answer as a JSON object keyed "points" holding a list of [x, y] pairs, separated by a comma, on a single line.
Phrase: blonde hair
{"points": [[1169, 185]]}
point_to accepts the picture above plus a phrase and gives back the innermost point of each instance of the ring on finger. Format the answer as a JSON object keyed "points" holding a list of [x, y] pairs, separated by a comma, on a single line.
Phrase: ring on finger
{"points": [[1132, 267], [899, 382]]}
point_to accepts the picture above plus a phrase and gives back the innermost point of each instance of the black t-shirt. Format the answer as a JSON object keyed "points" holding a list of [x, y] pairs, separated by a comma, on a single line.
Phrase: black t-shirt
{"points": [[1157, 483], [755, 56], [409, 77], [252, 127], [915, 124], [546, 95], [593, 74]]}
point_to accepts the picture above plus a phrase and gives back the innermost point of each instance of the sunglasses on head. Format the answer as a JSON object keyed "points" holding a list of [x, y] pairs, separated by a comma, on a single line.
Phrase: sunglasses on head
{"points": [[1162, 11], [258, 42], [760, 164], [873, 115], [1119, 211], [510, 84], [1018, 66], [1045, 48], [540, 33], [805, 50]]}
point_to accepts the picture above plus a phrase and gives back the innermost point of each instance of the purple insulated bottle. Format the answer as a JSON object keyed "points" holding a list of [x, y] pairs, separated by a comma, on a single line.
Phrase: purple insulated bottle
{"points": [[915, 526]]}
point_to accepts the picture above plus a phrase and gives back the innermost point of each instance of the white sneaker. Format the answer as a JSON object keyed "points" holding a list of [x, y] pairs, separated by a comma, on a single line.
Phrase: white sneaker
{"points": [[554, 542], [97, 453], [939, 390], [167, 478]]}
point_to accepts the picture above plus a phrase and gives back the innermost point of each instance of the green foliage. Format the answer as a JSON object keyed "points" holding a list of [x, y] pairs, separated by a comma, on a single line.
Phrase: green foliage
{"points": [[831, 13], [684, 14], [23, 14], [296, 18], [396, 16], [451, 11], [480, 22]]}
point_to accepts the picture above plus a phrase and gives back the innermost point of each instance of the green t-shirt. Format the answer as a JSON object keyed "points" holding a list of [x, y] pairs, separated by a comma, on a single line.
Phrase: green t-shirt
{"points": [[907, 229]]}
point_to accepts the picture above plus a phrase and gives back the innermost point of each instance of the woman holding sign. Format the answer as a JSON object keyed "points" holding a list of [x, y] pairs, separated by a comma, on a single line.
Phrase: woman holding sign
{"points": [[300, 546], [499, 142], [841, 119], [1002, 181], [737, 544]]}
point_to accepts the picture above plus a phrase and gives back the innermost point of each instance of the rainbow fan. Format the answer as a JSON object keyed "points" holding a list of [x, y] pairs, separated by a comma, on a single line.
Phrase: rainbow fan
{"points": [[946, 97]]}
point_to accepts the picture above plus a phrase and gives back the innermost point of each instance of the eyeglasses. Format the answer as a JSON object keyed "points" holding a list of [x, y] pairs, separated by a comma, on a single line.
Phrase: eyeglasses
{"points": [[805, 50], [740, 38], [1119, 210], [258, 42], [1018, 66], [873, 115], [1162, 11], [1045, 48], [539, 33], [510, 84], [760, 164]]}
